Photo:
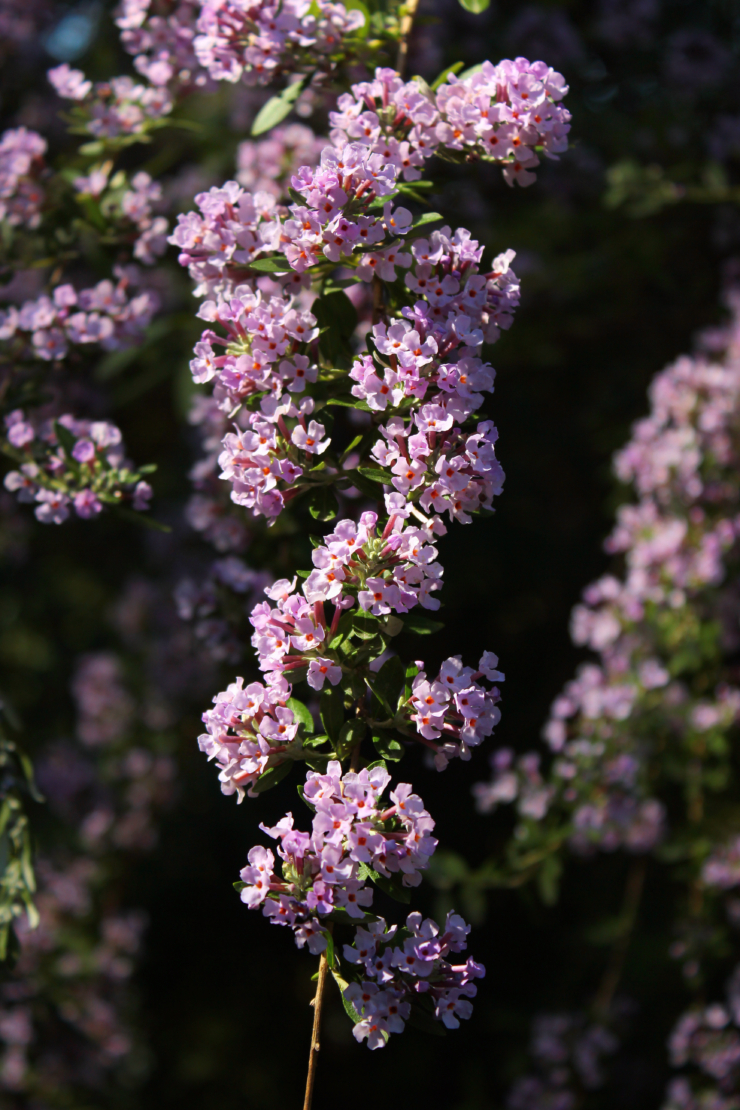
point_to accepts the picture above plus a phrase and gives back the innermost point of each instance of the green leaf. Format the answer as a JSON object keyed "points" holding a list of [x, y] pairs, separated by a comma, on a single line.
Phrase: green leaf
{"points": [[336, 312], [65, 437], [311, 742], [351, 734], [548, 879], [375, 474], [475, 6], [270, 264], [323, 504], [421, 625], [239, 885], [426, 218], [349, 1009], [331, 707], [387, 747], [301, 713], [393, 887], [272, 776], [277, 107], [446, 73], [467, 73], [389, 681], [364, 625]]}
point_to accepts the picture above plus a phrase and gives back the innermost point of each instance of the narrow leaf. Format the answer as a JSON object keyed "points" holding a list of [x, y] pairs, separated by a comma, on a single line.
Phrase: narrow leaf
{"points": [[278, 107]]}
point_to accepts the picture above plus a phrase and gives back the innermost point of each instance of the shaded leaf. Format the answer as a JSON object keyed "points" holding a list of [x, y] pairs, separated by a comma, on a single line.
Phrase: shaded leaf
{"points": [[301, 713], [272, 776]]}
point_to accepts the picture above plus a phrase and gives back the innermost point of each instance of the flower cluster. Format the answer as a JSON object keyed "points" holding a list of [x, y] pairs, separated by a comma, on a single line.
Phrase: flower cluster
{"points": [[646, 625], [417, 388], [567, 1053], [267, 165], [112, 109], [354, 833], [210, 510], [217, 604], [162, 45], [385, 574], [456, 707], [68, 463], [232, 229], [403, 967], [151, 230], [22, 167], [253, 42], [74, 969], [502, 113], [248, 730], [708, 1039], [105, 314]]}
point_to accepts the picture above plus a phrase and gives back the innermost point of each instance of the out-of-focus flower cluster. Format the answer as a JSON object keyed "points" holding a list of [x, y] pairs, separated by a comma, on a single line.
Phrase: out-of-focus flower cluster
{"points": [[65, 1009], [160, 36], [649, 627], [111, 110], [49, 326], [267, 165], [568, 1054], [707, 1040], [22, 169], [239, 40], [70, 464]]}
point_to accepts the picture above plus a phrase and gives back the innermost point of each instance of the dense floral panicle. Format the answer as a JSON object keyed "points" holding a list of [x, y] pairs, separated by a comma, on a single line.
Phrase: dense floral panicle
{"points": [[354, 829], [84, 470], [267, 165], [501, 112], [22, 167], [106, 315], [115, 108], [454, 708], [403, 967], [391, 573], [254, 41], [232, 229], [249, 729], [162, 45]]}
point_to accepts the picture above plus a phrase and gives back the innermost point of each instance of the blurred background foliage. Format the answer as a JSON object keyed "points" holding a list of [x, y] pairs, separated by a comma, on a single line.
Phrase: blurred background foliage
{"points": [[622, 247]]}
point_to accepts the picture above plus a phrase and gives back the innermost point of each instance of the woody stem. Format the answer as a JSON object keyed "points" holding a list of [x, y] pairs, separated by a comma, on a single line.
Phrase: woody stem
{"points": [[407, 22], [313, 1058]]}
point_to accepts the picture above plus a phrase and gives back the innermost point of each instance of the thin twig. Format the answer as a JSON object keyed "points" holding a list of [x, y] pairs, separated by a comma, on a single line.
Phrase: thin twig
{"points": [[407, 22], [313, 1058], [615, 967]]}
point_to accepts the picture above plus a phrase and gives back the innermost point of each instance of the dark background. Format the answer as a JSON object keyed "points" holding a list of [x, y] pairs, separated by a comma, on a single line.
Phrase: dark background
{"points": [[608, 297]]}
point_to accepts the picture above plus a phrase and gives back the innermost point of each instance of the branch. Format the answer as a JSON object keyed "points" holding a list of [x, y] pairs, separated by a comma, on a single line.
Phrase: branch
{"points": [[313, 1058], [407, 22]]}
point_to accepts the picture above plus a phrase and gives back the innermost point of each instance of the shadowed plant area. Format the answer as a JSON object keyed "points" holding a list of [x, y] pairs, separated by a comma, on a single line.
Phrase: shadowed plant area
{"points": [[353, 356]]}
